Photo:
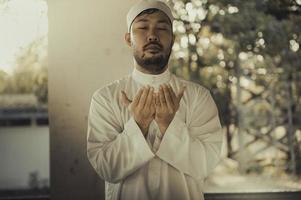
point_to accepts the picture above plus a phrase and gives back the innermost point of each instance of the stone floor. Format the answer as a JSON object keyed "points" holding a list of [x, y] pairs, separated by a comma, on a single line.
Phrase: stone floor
{"points": [[226, 178]]}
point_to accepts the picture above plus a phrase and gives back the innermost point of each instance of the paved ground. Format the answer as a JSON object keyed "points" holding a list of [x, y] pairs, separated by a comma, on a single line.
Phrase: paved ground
{"points": [[225, 180]]}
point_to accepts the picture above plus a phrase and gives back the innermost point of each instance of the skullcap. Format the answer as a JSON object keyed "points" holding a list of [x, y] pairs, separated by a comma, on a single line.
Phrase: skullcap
{"points": [[142, 5]]}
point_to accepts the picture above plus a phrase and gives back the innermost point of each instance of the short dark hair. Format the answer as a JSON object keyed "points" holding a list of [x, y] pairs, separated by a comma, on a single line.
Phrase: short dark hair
{"points": [[148, 11]]}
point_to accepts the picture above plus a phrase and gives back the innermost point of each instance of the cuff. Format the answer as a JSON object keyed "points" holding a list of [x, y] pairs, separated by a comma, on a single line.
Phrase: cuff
{"points": [[175, 135], [133, 131], [175, 128]]}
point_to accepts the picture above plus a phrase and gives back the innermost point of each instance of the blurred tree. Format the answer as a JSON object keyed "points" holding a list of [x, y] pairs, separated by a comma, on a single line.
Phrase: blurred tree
{"points": [[247, 53], [3, 80], [30, 73]]}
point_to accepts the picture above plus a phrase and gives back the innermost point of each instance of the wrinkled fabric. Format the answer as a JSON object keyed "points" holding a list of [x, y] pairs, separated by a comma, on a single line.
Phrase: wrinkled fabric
{"points": [[172, 166]]}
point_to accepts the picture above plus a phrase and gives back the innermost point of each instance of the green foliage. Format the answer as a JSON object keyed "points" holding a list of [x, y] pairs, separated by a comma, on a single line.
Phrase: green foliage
{"points": [[248, 54], [30, 74]]}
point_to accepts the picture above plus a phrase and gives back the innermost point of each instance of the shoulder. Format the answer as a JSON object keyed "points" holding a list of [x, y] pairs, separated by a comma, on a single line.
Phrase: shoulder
{"points": [[108, 91], [192, 88], [199, 97]]}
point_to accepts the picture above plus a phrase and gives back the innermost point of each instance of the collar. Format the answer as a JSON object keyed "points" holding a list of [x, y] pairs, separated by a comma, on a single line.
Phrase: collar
{"points": [[151, 79]]}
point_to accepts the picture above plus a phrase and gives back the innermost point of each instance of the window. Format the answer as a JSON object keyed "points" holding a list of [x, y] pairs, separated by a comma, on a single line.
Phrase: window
{"points": [[24, 133]]}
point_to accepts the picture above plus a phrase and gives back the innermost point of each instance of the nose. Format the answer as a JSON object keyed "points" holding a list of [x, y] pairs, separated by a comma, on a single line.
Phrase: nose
{"points": [[153, 37]]}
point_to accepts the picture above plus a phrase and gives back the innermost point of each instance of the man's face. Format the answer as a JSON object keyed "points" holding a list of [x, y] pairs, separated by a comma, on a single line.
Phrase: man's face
{"points": [[151, 39]]}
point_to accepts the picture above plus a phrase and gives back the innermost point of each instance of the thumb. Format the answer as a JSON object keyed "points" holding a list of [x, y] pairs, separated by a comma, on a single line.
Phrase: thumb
{"points": [[125, 100]]}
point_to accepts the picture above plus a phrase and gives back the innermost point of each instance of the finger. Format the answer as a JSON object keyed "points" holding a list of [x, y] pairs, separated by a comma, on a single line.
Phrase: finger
{"points": [[143, 97], [181, 93], [137, 97], [153, 105], [157, 101], [168, 99], [125, 99], [172, 94], [161, 97], [149, 98]]}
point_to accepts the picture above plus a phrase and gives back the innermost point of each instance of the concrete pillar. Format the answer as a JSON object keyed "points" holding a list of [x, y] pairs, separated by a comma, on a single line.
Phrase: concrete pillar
{"points": [[86, 51]]}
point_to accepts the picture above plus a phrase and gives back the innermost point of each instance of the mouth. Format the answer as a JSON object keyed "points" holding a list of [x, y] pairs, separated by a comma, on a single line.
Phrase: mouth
{"points": [[152, 51], [153, 48]]}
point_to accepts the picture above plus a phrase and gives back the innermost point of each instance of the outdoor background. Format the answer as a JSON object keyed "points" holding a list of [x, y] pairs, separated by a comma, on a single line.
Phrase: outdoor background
{"points": [[246, 52]]}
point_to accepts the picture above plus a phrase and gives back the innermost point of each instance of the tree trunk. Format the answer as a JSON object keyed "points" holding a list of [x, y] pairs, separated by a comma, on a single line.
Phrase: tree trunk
{"points": [[290, 128], [241, 151]]}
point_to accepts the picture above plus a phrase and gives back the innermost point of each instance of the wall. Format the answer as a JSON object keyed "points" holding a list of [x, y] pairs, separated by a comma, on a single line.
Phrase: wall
{"points": [[23, 150], [86, 51]]}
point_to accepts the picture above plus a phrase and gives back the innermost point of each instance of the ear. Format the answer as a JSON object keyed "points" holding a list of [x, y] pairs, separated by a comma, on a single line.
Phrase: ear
{"points": [[127, 38]]}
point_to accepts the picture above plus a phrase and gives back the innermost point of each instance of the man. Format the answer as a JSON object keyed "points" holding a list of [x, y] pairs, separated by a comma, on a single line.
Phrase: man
{"points": [[152, 135]]}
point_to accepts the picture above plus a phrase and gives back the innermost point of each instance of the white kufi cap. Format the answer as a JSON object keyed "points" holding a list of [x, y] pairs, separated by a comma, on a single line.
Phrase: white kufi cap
{"points": [[144, 5]]}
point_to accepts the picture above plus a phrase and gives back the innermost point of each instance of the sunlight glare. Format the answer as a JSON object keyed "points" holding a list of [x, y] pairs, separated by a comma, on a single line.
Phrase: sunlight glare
{"points": [[21, 23]]}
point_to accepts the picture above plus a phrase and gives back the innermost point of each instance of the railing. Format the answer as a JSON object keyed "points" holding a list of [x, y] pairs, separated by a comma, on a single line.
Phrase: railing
{"points": [[209, 196], [23, 117], [254, 196], [25, 194], [39, 197]]}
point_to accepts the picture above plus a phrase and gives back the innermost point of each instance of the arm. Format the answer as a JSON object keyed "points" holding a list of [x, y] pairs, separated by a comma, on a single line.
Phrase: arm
{"points": [[194, 148], [112, 153]]}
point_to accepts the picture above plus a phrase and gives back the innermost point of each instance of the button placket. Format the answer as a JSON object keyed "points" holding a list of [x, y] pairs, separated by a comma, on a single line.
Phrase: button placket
{"points": [[154, 173], [156, 144], [154, 166]]}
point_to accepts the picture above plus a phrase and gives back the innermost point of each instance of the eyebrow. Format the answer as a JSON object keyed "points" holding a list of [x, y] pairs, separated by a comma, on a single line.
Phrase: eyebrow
{"points": [[163, 21]]}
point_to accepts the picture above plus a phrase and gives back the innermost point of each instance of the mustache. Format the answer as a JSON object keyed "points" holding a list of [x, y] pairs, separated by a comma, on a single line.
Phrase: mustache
{"points": [[152, 43]]}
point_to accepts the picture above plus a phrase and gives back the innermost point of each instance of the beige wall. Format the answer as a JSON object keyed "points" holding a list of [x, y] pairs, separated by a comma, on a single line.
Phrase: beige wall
{"points": [[86, 51]]}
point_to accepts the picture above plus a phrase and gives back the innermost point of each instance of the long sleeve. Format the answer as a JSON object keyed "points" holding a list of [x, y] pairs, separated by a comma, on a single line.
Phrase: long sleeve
{"points": [[114, 153], [194, 147]]}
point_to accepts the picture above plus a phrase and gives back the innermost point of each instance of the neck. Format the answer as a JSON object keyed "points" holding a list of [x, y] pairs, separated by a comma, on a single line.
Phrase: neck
{"points": [[141, 69], [154, 80]]}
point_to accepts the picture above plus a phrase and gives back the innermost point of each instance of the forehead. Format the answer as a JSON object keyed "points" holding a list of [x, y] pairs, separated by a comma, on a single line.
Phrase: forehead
{"points": [[156, 16]]}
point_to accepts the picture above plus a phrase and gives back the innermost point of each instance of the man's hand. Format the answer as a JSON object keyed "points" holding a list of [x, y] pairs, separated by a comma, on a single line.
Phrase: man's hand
{"points": [[167, 104], [142, 108]]}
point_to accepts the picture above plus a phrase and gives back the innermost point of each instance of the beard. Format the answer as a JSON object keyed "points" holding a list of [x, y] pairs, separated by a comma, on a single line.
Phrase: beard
{"points": [[155, 63]]}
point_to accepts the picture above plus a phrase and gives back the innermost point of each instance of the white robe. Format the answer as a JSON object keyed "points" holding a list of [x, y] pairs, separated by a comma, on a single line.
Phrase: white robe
{"points": [[172, 167]]}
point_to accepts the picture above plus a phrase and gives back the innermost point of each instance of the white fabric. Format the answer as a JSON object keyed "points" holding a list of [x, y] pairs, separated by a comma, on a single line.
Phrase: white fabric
{"points": [[169, 167], [142, 5]]}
